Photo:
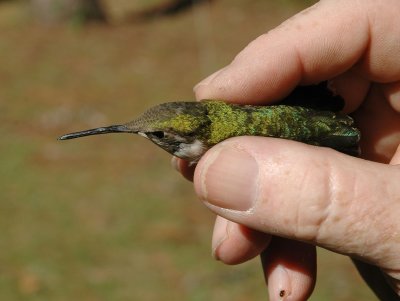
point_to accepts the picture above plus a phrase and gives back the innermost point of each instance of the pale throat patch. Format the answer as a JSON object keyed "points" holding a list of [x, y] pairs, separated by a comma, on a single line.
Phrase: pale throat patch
{"points": [[191, 150]]}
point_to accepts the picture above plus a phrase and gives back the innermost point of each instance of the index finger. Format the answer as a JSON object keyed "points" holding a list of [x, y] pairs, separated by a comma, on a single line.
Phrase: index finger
{"points": [[317, 44]]}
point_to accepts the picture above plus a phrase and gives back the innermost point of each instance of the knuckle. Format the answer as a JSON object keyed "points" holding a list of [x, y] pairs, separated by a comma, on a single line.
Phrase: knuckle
{"points": [[316, 214]]}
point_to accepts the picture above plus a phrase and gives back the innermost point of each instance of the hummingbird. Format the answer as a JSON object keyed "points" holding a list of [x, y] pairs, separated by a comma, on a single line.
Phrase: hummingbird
{"points": [[188, 129]]}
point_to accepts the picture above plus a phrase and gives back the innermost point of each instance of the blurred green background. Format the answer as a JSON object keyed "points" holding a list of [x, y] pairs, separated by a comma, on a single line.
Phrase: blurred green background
{"points": [[106, 218]]}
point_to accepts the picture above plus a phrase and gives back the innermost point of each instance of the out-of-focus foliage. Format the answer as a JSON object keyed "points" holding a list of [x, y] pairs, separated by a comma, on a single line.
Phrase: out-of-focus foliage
{"points": [[105, 218], [55, 11]]}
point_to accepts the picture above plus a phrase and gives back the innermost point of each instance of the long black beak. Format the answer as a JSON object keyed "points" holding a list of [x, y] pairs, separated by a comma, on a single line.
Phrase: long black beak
{"points": [[97, 131]]}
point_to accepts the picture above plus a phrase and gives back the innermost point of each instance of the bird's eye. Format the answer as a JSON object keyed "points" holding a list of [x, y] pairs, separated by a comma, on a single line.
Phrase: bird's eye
{"points": [[157, 134]]}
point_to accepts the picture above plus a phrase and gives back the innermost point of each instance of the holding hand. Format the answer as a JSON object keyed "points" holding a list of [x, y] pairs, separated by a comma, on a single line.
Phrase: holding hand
{"points": [[279, 198]]}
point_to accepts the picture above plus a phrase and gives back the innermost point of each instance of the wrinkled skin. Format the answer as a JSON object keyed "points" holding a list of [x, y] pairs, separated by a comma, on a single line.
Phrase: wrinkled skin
{"points": [[273, 196]]}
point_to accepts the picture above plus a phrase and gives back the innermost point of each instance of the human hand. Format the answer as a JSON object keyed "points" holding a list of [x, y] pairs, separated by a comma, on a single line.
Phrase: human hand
{"points": [[273, 196]]}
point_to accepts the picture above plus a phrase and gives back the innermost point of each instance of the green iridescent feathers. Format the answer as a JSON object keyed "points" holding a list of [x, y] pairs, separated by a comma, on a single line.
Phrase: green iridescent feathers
{"points": [[214, 121]]}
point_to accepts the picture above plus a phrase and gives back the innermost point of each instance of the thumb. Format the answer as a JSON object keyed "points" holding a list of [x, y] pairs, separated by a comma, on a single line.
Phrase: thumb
{"points": [[307, 193]]}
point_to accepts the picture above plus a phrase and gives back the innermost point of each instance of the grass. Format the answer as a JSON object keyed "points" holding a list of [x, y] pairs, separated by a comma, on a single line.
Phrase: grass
{"points": [[105, 218]]}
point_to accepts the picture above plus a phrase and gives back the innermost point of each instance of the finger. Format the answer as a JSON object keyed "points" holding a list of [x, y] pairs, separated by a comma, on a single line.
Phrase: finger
{"points": [[183, 167], [312, 46], [233, 243], [290, 269], [312, 194], [392, 94], [381, 125], [385, 287], [352, 87], [289, 266], [392, 275], [396, 157], [376, 280]]}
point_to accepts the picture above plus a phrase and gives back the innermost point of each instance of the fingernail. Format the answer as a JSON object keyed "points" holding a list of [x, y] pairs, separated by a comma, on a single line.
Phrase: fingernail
{"points": [[392, 94], [229, 179], [175, 164], [279, 287], [221, 233], [395, 101]]}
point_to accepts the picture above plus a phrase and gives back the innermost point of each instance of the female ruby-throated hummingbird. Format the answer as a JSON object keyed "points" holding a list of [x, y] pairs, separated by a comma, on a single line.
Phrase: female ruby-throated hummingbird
{"points": [[188, 129]]}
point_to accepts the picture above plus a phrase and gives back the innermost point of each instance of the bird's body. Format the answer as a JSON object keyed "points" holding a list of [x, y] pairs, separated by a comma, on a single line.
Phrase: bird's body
{"points": [[188, 129]]}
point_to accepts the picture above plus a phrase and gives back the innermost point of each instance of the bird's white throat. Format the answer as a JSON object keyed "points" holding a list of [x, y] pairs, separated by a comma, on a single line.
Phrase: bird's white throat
{"points": [[191, 151]]}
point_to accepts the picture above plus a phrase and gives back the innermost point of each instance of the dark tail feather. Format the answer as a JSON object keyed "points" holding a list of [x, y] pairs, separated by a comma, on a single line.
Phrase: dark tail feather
{"points": [[347, 144]]}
